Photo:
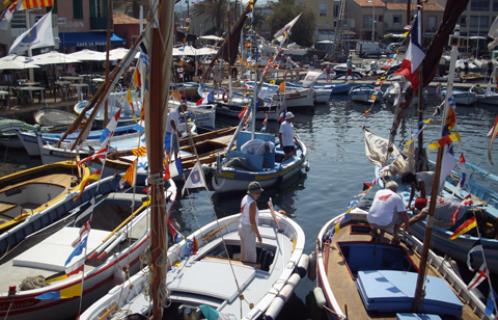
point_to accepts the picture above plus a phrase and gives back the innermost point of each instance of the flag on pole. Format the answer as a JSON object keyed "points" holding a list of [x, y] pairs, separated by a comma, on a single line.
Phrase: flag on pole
{"points": [[40, 35], [109, 130], [6, 15], [465, 227], [492, 136], [101, 154], [479, 277], [84, 231], [282, 34], [31, 4], [78, 250], [130, 174], [195, 178], [414, 54], [490, 304], [476, 248]]}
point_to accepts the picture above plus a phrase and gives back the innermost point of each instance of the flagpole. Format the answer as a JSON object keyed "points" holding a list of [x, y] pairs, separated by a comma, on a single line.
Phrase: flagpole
{"points": [[30, 52], [107, 60], [420, 161]]}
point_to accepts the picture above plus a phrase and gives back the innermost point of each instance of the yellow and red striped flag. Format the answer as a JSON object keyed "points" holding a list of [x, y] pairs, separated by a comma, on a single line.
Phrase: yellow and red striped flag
{"points": [[129, 176], [31, 4], [465, 227], [139, 152], [137, 78]]}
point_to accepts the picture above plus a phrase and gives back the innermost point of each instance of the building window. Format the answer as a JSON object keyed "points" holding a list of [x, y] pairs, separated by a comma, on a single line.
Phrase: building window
{"points": [[397, 19], [431, 23], [336, 10], [367, 21], [495, 5], [323, 9], [479, 22], [78, 9], [380, 18], [479, 5], [463, 21]]}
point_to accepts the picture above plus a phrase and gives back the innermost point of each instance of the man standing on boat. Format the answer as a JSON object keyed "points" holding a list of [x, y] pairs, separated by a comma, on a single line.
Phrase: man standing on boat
{"points": [[172, 132], [387, 212], [286, 135], [248, 226]]}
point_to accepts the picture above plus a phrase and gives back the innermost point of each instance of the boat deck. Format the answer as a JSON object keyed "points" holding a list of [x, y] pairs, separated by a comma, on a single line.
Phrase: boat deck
{"points": [[345, 288], [60, 179]]}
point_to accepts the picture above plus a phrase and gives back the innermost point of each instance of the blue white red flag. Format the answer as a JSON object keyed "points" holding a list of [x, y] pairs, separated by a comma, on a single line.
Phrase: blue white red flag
{"points": [[109, 130], [414, 54], [78, 250]]}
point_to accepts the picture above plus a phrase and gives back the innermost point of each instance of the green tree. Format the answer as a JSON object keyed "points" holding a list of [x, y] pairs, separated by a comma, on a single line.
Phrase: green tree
{"points": [[284, 11], [212, 10]]}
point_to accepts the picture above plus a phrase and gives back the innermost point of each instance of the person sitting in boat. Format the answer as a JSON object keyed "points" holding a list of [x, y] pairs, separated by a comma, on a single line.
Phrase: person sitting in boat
{"points": [[387, 212], [286, 135], [447, 211], [422, 182], [248, 225], [172, 132], [258, 147]]}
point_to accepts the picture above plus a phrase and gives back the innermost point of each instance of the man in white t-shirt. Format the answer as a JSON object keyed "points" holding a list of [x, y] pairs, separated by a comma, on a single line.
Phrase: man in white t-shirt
{"points": [[388, 211], [172, 131], [286, 135]]}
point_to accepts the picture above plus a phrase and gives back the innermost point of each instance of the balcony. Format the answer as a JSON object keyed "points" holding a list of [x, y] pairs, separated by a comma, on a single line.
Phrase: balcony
{"points": [[98, 23]]}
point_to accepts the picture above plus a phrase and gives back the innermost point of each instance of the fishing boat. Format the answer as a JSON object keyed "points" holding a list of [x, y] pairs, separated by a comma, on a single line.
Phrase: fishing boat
{"points": [[365, 94], [235, 170], [341, 88], [236, 105], [294, 98], [54, 118], [264, 287], [38, 192], [358, 278], [40, 283], [29, 139], [485, 96], [463, 97], [321, 93], [8, 132], [203, 115]]}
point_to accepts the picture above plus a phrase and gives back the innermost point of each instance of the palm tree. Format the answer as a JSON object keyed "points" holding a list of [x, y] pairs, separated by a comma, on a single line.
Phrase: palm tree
{"points": [[212, 10]]}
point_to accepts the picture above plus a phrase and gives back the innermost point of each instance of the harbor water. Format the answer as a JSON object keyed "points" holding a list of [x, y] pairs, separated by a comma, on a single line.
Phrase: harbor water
{"points": [[338, 167]]}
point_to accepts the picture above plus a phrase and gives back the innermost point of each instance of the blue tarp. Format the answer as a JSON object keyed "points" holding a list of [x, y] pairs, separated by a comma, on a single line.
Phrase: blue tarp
{"points": [[87, 39]]}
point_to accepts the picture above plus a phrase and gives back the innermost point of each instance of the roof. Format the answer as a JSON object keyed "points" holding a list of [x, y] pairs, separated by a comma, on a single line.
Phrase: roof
{"points": [[370, 3], [428, 6], [122, 18]]}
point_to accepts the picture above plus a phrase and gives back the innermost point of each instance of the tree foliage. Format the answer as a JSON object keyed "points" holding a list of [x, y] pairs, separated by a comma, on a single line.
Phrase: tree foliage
{"points": [[213, 10], [284, 11]]}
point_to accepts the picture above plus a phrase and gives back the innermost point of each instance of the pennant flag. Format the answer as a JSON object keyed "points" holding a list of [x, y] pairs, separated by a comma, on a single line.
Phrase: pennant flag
{"points": [[78, 250], [31, 4], [137, 78], [461, 160], [492, 136], [281, 87], [139, 152], [101, 154], [477, 247], [109, 129], [40, 35], [479, 277], [195, 245], [129, 97], [84, 231], [7, 14], [448, 164], [282, 34], [66, 293], [414, 54], [130, 174], [172, 231], [206, 98], [465, 227], [243, 112], [490, 304], [195, 178]]}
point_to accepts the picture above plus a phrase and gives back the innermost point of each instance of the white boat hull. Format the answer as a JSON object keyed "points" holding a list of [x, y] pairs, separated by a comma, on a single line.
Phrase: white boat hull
{"points": [[490, 100], [299, 99], [322, 95]]}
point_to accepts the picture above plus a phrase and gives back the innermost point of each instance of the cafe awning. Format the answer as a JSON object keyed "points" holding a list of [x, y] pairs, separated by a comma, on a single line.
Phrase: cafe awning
{"points": [[87, 39]]}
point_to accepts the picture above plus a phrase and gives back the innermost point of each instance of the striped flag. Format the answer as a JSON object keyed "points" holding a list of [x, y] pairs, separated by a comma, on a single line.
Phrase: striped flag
{"points": [[101, 154], [479, 277], [109, 130], [31, 4], [130, 174], [6, 15], [465, 227]]}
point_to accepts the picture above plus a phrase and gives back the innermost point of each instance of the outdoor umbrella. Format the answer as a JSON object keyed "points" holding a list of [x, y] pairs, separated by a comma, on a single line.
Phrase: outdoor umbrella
{"points": [[14, 62], [88, 55], [53, 57], [211, 37], [117, 54]]}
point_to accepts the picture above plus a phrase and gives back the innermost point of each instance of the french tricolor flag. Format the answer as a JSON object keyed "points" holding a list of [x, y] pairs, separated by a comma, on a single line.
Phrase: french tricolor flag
{"points": [[414, 54], [109, 130]]}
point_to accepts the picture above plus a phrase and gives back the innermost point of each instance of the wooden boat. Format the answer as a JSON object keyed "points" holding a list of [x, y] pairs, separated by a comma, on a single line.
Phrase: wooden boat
{"points": [[30, 141], [204, 115], [362, 279], [38, 191], [118, 237], [206, 275], [54, 118], [117, 100], [233, 107], [463, 97], [487, 96], [321, 93], [8, 132], [364, 94], [268, 170], [295, 97]]}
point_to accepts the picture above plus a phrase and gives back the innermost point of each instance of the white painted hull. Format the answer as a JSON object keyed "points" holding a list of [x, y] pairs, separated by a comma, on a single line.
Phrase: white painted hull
{"points": [[299, 98], [30, 143], [322, 95], [491, 99], [465, 99], [11, 141]]}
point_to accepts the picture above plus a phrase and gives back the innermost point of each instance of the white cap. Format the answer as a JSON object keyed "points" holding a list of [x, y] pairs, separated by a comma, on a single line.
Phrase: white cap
{"points": [[289, 115]]}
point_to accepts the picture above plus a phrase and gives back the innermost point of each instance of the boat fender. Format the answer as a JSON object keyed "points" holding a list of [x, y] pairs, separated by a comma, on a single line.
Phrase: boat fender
{"points": [[319, 297], [274, 308], [294, 279], [302, 265], [312, 266]]}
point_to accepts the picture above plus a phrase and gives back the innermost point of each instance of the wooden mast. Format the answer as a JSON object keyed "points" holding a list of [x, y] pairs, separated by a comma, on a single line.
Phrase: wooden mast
{"points": [[420, 158], [107, 61], [160, 50], [419, 291]]}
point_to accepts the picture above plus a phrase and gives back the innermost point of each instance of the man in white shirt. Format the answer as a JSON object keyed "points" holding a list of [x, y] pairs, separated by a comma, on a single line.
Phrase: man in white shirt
{"points": [[387, 210], [172, 132], [286, 135]]}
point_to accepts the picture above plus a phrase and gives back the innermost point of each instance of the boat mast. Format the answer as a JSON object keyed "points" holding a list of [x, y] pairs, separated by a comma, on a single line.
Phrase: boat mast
{"points": [[107, 60], [419, 291], [420, 159], [160, 49]]}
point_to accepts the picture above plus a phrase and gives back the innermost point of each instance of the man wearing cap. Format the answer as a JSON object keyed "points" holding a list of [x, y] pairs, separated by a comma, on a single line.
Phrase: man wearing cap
{"points": [[248, 225], [172, 132], [387, 211], [286, 135]]}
